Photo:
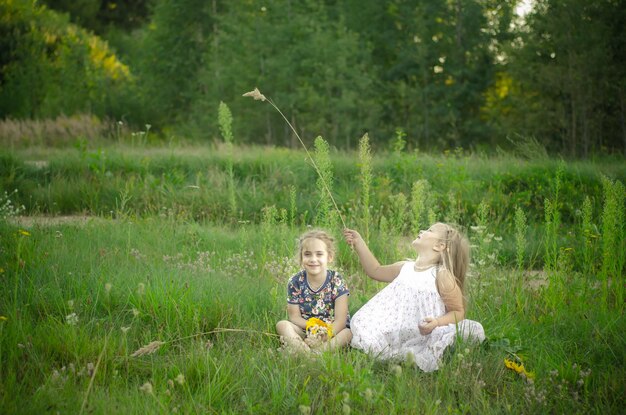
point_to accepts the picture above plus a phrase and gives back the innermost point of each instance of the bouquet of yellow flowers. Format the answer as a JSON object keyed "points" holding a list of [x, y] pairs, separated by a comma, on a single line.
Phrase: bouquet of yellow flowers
{"points": [[318, 331]]}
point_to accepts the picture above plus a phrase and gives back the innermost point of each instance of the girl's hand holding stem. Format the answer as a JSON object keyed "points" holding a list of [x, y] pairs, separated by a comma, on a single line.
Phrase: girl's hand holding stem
{"points": [[428, 325], [352, 237]]}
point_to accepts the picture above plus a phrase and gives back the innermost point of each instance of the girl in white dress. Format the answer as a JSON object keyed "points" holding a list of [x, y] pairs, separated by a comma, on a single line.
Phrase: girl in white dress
{"points": [[422, 310]]}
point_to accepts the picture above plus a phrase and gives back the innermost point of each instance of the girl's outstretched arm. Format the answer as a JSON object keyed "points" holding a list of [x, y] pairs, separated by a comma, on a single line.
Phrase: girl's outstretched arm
{"points": [[370, 264]]}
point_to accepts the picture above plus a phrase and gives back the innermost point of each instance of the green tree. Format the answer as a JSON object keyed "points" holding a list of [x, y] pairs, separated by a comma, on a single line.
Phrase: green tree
{"points": [[565, 81], [299, 54], [49, 66], [172, 56]]}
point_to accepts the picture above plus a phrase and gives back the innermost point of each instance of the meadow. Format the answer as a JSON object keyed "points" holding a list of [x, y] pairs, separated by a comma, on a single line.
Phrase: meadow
{"points": [[148, 279]]}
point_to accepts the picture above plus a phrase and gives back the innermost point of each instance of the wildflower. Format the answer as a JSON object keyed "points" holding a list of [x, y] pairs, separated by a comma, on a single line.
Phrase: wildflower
{"points": [[146, 388], [125, 329], [135, 312], [180, 379], [256, 94], [148, 349], [23, 232], [71, 319], [3, 318], [90, 368], [318, 328], [519, 368]]}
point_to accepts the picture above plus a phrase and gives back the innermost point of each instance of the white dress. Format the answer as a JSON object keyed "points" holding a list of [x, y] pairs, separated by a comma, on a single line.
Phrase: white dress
{"points": [[387, 325]]}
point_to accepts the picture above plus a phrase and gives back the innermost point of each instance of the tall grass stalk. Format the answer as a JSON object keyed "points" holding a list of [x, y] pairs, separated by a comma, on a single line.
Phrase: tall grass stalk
{"points": [[325, 216], [293, 207], [365, 166], [398, 213], [521, 227], [225, 122], [589, 235], [613, 240], [552, 217], [268, 222], [419, 203], [258, 96], [452, 213]]}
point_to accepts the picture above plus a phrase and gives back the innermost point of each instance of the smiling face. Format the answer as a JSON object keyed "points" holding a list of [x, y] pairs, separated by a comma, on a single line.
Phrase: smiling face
{"points": [[431, 239], [315, 257]]}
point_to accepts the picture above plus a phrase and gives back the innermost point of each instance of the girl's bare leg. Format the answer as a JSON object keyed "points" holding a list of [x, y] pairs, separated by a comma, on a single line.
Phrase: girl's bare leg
{"points": [[342, 339], [292, 336]]}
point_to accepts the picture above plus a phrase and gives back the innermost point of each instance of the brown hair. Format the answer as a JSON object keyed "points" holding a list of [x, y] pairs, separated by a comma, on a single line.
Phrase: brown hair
{"points": [[456, 256], [316, 234]]}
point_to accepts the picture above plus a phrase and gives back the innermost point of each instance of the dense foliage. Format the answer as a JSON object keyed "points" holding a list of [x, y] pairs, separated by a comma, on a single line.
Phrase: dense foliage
{"points": [[442, 74]]}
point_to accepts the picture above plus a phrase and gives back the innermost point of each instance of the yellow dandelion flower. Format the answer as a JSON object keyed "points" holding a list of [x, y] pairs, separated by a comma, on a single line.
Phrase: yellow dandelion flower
{"points": [[518, 368], [3, 318], [315, 325], [23, 232]]}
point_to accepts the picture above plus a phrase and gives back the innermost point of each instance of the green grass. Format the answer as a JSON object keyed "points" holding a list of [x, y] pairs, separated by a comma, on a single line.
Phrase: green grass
{"points": [[161, 256], [200, 278]]}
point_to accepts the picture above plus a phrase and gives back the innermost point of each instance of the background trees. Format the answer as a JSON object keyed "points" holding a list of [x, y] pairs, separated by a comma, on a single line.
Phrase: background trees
{"points": [[447, 73]]}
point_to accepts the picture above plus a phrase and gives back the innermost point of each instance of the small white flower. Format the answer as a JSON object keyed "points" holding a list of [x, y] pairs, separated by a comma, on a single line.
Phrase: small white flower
{"points": [[180, 379], [125, 329], [146, 388], [71, 319], [135, 312]]}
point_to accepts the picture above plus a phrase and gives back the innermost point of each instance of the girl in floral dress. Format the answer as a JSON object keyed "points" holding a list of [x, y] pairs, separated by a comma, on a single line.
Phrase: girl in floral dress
{"points": [[317, 298], [422, 310]]}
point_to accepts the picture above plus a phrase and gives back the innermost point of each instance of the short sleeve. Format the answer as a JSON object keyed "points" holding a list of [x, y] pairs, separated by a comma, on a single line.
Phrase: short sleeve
{"points": [[339, 286], [294, 290]]}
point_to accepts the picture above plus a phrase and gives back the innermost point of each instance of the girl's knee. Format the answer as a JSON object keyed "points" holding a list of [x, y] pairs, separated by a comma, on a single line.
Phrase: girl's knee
{"points": [[282, 326]]}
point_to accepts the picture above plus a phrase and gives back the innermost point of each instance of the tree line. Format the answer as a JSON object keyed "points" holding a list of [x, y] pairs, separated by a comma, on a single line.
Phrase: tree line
{"points": [[423, 73]]}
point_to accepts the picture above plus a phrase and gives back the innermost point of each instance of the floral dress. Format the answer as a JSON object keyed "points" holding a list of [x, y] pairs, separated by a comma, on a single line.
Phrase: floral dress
{"points": [[387, 326], [318, 303]]}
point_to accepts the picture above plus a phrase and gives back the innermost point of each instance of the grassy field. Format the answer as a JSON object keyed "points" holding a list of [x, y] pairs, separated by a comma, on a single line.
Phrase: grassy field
{"points": [[153, 249]]}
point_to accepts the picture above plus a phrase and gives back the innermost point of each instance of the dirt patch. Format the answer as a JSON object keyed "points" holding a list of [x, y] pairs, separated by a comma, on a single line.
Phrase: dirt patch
{"points": [[38, 164], [31, 221]]}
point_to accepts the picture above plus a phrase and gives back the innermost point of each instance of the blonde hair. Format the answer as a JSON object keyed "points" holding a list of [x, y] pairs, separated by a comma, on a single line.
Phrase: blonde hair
{"points": [[456, 256], [316, 234]]}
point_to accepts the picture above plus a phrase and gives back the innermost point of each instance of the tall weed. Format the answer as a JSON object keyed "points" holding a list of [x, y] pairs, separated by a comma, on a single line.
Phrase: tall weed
{"points": [[325, 215], [613, 238], [225, 122], [365, 165]]}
